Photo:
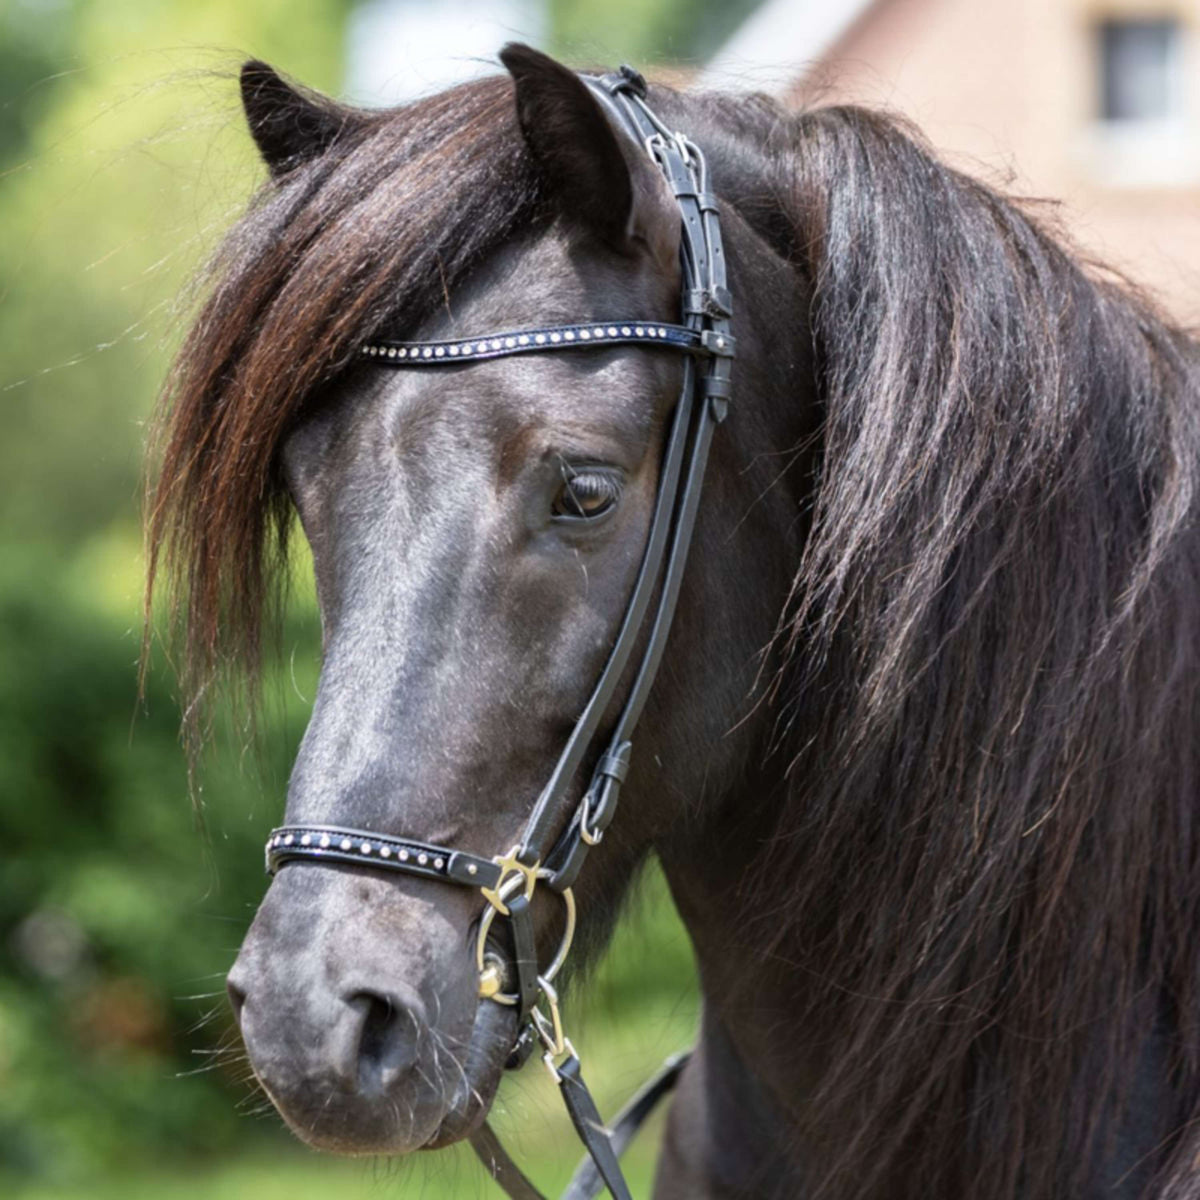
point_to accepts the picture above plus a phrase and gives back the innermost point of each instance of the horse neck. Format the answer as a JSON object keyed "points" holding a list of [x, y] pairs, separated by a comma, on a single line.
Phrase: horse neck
{"points": [[729, 785]]}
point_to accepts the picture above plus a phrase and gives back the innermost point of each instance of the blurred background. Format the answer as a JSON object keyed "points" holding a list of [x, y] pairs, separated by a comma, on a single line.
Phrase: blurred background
{"points": [[122, 158]]}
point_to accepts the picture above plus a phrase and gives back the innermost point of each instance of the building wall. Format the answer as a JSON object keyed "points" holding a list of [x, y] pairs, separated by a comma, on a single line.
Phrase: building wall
{"points": [[1009, 89]]}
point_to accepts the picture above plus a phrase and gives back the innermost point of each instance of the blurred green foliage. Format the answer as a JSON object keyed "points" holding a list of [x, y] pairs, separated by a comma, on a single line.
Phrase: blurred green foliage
{"points": [[122, 158]]}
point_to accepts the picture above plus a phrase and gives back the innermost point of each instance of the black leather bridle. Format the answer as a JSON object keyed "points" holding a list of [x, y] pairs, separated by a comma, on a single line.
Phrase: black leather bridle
{"points": [[508, 882]]}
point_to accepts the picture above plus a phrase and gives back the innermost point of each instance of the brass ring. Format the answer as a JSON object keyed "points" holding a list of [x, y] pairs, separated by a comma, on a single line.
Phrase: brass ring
{"points": [[507, 889]]}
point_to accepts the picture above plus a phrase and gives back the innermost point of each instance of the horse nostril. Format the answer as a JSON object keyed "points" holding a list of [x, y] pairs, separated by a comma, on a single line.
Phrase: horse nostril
{"points": [[237, 999], [387, 1044]]}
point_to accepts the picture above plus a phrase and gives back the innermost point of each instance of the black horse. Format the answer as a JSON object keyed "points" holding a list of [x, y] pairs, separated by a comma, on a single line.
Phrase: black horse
{"points": [[921, 763]]}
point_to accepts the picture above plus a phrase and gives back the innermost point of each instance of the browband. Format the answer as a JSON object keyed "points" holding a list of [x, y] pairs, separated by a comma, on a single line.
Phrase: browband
{"points": [[549, 337]]}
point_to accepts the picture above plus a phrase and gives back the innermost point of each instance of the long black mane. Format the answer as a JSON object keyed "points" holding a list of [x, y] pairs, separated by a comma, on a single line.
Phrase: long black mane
{"points": [[989, 698], [986, 678]]}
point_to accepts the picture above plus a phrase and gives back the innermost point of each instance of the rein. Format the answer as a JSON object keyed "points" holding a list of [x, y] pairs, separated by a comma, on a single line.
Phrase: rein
{"points": [[542, 860]]}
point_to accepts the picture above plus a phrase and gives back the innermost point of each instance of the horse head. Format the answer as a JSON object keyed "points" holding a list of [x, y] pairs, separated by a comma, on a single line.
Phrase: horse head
{"points": [[477, 530]]}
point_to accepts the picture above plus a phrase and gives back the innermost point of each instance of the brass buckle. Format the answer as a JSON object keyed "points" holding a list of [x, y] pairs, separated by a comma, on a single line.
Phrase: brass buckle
{"points": [[549, 1029], [489, 967], [511, 868]]}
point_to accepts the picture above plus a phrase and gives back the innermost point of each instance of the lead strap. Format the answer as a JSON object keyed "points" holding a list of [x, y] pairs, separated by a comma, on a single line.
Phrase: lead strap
{"points": [[587, 1181]]}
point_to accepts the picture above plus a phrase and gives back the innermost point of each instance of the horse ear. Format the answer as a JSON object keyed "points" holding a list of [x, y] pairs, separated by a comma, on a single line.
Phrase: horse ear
{"points": [[289, 126], [599, 175]]}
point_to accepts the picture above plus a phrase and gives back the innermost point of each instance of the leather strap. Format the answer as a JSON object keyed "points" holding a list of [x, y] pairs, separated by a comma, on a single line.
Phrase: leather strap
{"points": [[708, 307], [540, 339], [525, 964], [546, 812], [361, 848], [586, 1183], [588, 1180], [590, 1127], [500, 1166]]}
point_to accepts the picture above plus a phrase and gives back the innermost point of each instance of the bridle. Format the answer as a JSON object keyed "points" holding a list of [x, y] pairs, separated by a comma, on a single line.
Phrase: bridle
{"points": [[541, 860]]}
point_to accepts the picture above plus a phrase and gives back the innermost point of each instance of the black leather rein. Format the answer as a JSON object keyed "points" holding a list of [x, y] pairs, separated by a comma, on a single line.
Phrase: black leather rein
{"points": [[546, 855]]}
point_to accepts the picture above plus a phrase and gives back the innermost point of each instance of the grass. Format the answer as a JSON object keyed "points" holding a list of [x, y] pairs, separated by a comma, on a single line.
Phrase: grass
{"points": [[302, 1175], [528, 1114]]}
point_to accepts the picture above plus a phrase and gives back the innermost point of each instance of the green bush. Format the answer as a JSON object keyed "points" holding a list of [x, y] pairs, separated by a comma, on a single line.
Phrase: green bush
{"points": [[116, 909]]}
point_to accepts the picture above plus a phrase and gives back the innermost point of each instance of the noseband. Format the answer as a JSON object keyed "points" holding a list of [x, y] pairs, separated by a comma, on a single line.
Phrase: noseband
{"points": [[542, 860]]}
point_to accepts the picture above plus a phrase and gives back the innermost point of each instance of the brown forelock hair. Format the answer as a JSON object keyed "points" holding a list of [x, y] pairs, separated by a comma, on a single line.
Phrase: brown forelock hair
{"points": [[990, 703], [375, 232]]}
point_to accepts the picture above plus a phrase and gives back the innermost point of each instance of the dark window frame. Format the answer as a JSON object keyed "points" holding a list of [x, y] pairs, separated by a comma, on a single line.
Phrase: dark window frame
{"points": [[1138, 63]]}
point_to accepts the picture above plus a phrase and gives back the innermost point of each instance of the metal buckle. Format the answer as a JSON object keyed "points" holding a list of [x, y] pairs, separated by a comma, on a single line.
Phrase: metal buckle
{"points": [[690, 153], [511, 868], [593, 837], [654, 142], [489, 966], [550, 1030]]}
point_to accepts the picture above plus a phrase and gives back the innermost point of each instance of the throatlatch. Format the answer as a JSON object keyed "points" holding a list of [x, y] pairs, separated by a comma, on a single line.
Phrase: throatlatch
{"points": [[509, 882]]}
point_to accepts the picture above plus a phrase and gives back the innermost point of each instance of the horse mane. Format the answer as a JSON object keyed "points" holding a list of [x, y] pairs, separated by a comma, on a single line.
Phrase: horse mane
{"points": [[988, 697], [986, 681], [375, 232]]}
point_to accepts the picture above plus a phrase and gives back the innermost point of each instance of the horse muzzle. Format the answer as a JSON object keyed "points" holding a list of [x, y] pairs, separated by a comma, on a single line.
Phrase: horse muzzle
{"points": [[358, 1005]]}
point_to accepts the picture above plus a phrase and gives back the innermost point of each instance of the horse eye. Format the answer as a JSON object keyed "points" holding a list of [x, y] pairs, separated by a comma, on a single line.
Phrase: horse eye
{"points": [[586, 494]]}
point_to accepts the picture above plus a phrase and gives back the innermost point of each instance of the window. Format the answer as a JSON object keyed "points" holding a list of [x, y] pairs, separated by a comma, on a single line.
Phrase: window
{"points": [[1139, 69], [1143, 132]]}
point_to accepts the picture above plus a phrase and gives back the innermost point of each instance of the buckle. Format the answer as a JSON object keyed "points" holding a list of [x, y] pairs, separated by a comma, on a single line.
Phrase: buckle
{"points": [[594, 835], [511, 869], [600, 800], [715, 302], [632, 80], [718, 342], [549, 1029], [489, 965]]}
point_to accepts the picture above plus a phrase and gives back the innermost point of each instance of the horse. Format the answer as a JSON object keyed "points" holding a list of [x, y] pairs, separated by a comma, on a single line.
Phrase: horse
{"points": [[920, 764]]}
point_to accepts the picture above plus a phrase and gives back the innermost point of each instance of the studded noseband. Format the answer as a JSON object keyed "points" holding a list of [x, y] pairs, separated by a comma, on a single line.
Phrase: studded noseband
{"points": [[548, 857]]}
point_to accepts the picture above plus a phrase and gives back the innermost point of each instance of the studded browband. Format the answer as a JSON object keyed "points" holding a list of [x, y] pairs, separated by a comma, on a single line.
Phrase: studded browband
{"points": [[549, 337], [509, 882]]}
